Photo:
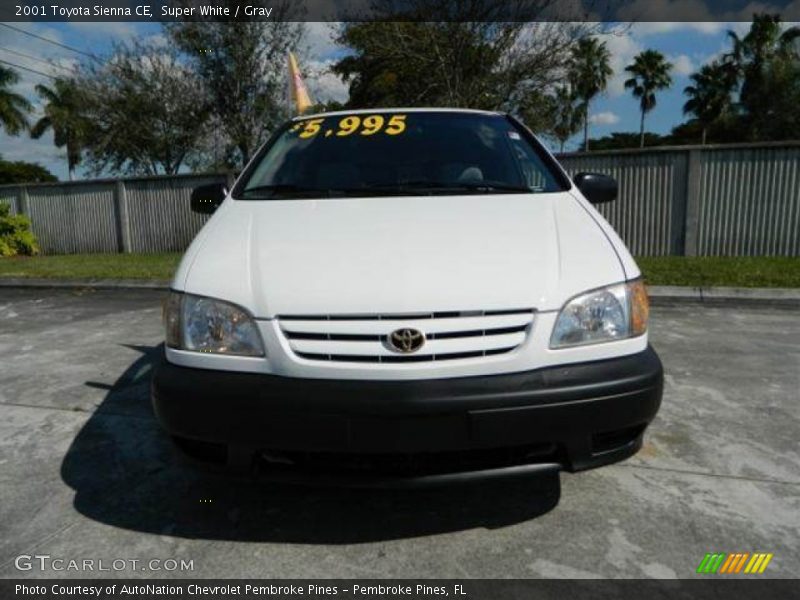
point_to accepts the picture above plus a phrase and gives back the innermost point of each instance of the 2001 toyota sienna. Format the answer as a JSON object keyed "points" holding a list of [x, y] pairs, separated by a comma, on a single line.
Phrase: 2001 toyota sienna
{"points": [[407, 296]]}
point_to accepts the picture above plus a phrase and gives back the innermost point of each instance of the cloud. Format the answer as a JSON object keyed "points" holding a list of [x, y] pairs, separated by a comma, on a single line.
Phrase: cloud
{"points": [[740, 28], [322, 52], [324, 85], [646, 28], [24, 148], [319, 39], [622, 47], [118, 30], [158, 40], [604, 118], [681, 65]]}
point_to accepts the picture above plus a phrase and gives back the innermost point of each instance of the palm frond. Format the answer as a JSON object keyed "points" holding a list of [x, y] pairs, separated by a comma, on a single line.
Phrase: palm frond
{"points": [[40, 127]]}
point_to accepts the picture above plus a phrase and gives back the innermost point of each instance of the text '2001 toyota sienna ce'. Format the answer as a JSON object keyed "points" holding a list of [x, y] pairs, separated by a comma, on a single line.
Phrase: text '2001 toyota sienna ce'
{"points": [[407, 296]]}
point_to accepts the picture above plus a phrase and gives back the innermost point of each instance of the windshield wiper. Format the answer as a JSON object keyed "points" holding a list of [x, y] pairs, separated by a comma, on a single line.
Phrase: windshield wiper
{"points": [[283, 188], [392, 188], [493, 186], [440, 187]]}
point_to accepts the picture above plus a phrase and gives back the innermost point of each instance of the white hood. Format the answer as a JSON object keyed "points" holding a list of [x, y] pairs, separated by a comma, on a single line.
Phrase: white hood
{"points": [[399, 255]]}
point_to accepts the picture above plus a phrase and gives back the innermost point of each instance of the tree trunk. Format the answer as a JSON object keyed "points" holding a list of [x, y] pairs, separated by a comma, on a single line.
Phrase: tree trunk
{"points": [[586, 129], [641, 131], [703, 141], [561, 151], [73, 159], [244, 149]]}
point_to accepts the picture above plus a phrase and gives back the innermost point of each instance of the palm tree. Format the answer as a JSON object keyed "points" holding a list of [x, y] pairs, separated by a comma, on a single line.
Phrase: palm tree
{"points": [[650, 73], [763, 42], [63, 114], [589, 71], [13, 107], [710, 95], [567, 117], [753, 59]]}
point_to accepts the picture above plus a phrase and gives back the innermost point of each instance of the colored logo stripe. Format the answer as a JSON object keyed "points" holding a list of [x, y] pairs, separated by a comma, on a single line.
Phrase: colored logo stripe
{"points": [[759, 562], [733, 563], [711, 562]]}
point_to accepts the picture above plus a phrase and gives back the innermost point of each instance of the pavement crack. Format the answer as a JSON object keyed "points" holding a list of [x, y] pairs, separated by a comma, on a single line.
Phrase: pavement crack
{"points": [[46, 407], [93, 413], [42, 540], [703, 474]]}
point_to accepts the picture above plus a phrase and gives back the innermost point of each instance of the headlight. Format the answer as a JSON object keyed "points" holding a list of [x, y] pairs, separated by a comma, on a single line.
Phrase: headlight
{"points": [[612, 313], [207, 325]]}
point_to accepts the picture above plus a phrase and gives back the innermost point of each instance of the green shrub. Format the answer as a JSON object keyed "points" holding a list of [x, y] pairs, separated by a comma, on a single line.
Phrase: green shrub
{"points": [[16, 236]]}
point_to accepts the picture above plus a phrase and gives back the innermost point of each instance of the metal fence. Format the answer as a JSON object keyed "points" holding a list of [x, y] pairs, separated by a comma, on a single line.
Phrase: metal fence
{"points": [[149, 214], [735, 200]]}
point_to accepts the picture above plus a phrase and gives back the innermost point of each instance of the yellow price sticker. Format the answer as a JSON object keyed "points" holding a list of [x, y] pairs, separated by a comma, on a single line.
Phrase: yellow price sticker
{"points": [[351, 124], [311, 128]]}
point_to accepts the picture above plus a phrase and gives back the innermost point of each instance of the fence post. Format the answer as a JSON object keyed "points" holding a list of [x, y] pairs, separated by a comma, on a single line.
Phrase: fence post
{"points": [[122, 217], [693, 188], [677, 217], [23, 202]]}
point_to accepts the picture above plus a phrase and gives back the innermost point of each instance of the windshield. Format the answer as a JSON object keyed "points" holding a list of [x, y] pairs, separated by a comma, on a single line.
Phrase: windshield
{"points": [[397, 153]]}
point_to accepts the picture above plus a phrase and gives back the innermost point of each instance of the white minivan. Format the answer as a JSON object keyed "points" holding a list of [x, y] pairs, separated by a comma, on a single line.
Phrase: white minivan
{"points": [[407, 297]]}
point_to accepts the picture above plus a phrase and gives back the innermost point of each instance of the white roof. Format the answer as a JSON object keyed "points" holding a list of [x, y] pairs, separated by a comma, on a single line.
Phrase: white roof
{"points": [[372, 111]]}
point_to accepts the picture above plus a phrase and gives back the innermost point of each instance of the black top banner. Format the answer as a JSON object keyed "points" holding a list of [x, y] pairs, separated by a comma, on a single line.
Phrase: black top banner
{"points": [[394, 10]]}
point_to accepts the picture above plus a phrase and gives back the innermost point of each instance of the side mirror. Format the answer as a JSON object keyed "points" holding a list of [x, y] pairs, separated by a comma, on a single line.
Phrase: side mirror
{"points": [[597, 188], [207, 198]]}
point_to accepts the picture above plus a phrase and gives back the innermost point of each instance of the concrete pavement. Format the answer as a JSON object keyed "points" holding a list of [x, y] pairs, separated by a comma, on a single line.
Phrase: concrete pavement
{"points": [[87, 474]]}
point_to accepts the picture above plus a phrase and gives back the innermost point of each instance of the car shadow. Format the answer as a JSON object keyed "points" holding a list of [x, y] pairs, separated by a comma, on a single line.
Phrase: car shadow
{"points": [[126, 473]]}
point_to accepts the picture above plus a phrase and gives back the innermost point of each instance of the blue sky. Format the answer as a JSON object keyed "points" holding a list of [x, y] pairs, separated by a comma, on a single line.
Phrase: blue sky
{"points": [[687, 45]]}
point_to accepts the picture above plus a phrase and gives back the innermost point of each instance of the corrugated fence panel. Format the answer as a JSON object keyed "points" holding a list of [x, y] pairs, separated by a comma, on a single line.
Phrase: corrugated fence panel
{"points": [[11, 196], [74, 218], [160, 216], [649, 184], [749, 203]]}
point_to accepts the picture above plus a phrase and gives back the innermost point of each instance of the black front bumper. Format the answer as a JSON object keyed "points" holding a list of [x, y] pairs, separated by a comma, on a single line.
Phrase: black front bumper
{"points": [[570, 417]]}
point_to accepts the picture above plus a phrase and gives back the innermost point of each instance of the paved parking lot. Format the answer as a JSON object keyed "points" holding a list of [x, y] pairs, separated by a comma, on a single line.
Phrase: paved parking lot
{"points": [[86, 473]]}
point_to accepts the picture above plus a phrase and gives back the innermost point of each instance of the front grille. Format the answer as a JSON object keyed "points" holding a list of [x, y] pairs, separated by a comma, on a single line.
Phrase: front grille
{"points": [[451, 335]]}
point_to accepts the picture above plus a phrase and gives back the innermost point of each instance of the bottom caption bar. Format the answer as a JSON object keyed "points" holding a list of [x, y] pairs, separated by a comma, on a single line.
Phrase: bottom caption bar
{"points": [[467, 589]]}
